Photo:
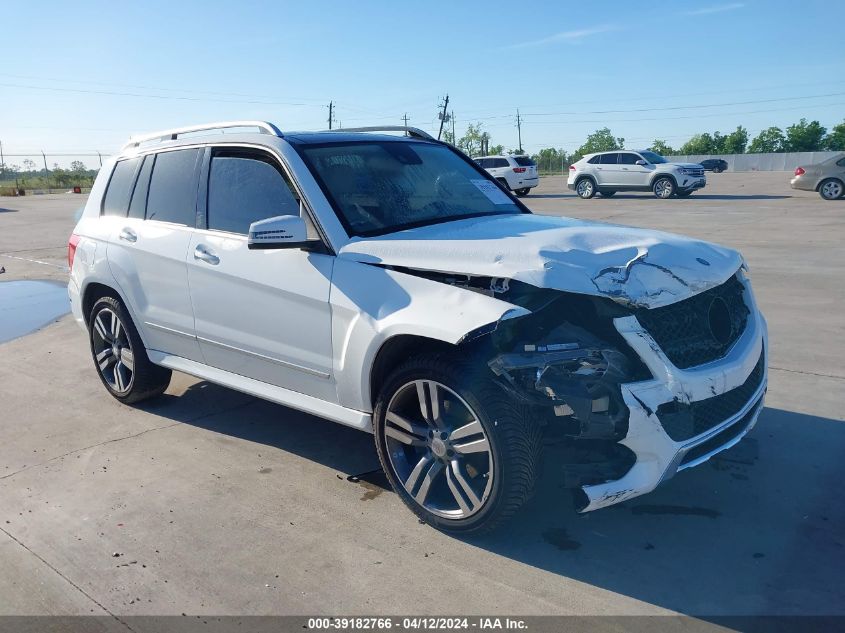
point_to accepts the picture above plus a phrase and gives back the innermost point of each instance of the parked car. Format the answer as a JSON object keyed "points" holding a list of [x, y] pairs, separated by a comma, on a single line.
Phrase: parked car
{"points": [[625, 170], [826, 177], [716, 165], [389, 284], [515, 173]]}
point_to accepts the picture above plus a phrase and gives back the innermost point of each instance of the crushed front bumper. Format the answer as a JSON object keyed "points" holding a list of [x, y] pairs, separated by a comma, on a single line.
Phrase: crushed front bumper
{"points": [[658, 456]]}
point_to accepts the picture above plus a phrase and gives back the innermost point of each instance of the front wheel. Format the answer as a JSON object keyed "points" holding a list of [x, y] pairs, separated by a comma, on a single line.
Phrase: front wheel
{"points": [[119, 354], [458, 451], [664, 187], [717, 170], [831, 189]]}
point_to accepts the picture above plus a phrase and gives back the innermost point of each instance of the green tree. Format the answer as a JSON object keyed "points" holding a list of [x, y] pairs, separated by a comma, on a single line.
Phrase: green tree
{"points": [[28, 165], [701, 144], [550, 159], [78, 167], [662, 148], [835, 140], [497, 150], [600, 141], [470, 143], [769, 140], [735, 142], [805, 137]]}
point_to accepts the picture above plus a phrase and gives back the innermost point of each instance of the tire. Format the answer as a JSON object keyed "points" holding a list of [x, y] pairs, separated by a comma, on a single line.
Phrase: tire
{"points": [[119, 355], [717, 170], [585, 188], [663, 187], [522, 192], [607, 194], [468, 468], [831, 189]]}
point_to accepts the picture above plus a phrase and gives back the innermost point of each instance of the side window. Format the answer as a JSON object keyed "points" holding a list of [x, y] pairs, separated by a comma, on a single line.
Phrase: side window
{"points": [[142, 185], [841, 162], [595, 160], [628, 159], [173, 187], [482, 162], [244, 187], [116, 200], [609, 159], [501, 162]]}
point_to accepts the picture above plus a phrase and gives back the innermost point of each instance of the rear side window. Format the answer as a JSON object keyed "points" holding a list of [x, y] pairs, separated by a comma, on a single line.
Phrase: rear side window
{"points": [[524, 161], [116, 201], [595, 160], [244, 188], [173, 187], [139, 196], [609, 159], [500, 162]]}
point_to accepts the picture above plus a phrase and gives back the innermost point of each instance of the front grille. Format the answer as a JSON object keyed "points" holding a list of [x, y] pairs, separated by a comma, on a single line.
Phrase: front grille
{"points": [[684, 330], [684, 421], [695, 173]]}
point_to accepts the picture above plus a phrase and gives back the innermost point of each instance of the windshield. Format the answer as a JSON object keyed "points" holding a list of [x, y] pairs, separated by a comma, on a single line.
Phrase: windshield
{"points": [[378, 187], [654, 159]]}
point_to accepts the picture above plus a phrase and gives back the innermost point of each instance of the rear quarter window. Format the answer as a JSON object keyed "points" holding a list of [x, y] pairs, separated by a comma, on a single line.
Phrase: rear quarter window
{"points": [[116, 200]]}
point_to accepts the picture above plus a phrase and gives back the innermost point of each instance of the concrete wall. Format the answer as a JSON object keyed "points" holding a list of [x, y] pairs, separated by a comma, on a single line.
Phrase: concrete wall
{"points": [[784, 161]]}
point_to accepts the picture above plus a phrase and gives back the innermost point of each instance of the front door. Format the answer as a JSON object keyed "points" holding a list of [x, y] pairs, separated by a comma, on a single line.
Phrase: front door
{"points": [[631, 174], [263, 314]]}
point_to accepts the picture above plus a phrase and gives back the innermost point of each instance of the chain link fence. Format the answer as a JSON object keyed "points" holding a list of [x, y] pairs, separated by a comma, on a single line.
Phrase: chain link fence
{"points": [[40, 172]]}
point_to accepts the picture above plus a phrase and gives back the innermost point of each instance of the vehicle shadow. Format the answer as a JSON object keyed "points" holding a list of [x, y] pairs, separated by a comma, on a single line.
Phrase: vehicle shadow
{"points": [[756, 530], [2, 210], [698, 196]]}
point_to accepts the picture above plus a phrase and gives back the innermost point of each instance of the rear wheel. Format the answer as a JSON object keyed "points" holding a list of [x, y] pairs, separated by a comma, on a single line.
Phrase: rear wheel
{"points": [[607, 194], [831, 189], [522, 192], [459, 452], [585, 188], [119, 354], [663, 187], [717, 170]]}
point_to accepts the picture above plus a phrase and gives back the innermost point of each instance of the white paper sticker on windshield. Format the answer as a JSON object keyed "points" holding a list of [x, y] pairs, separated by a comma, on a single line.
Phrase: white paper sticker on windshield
{"points": [[493, 193]]}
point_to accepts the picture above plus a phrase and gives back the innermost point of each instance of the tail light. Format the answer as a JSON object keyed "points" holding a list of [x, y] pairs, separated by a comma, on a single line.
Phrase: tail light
{"points": [[572, 168], [519, 170], [72, 243], [800, 171]]}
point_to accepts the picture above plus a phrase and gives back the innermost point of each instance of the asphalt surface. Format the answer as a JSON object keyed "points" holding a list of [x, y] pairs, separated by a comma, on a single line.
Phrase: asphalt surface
{"points": [[208, 501]]}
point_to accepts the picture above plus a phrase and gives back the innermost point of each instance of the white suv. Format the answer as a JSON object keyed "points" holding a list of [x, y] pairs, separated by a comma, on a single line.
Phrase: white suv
{"points": [[389, 284], [515, 173], [625, 170]]}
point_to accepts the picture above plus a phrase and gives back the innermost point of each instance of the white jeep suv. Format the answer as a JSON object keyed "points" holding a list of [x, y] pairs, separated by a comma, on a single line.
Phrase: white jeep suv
{"points": [[388, 283], [606, 173], [515, 173]]}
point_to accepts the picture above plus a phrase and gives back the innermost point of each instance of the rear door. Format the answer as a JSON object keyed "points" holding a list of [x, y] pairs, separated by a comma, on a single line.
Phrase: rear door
{"points": [[607, 170], [148, 248], [263, 314]]}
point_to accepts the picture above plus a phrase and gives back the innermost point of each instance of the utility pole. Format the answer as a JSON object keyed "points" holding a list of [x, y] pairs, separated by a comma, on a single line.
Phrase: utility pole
{"points": [[443, 117], [46, 171], [2, 160], [454, 140], [519, 129], [331, 113], [405, 119], [100, 156]]}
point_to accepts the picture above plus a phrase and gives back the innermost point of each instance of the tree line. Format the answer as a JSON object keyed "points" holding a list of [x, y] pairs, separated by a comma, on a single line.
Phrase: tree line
{"points": [[27, 175], [802, 136]]}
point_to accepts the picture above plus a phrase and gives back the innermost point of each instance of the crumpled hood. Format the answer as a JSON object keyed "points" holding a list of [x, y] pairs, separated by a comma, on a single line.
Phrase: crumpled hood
{"points": [[635, 267]]}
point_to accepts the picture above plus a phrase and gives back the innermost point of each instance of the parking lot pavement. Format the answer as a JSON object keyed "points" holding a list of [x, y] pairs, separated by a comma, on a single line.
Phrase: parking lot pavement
{"points": [[208, 501]]}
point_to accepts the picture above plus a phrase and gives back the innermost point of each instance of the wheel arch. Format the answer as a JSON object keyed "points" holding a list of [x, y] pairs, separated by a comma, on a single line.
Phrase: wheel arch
{"points": [[94, 290], [824, 180], [663, 174]]}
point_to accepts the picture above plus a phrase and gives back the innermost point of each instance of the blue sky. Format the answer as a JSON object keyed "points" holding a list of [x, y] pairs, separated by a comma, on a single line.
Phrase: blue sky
{"points": [[83, 76]]}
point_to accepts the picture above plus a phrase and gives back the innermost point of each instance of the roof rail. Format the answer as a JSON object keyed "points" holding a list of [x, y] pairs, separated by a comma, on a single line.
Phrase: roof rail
{"points": [[410, 131], [171, 135]]}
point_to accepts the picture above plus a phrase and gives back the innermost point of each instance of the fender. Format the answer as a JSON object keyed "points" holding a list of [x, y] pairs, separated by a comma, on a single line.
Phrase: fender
{"points": [[371, 304]]}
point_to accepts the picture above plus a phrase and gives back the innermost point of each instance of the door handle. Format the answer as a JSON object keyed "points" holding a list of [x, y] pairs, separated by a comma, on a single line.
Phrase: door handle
{"points": [[624, 169], [128, 235], [202, 253]]}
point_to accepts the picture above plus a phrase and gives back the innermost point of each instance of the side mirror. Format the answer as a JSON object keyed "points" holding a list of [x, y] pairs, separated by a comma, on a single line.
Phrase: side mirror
{"points": [[641, 163], [283, 231]]}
